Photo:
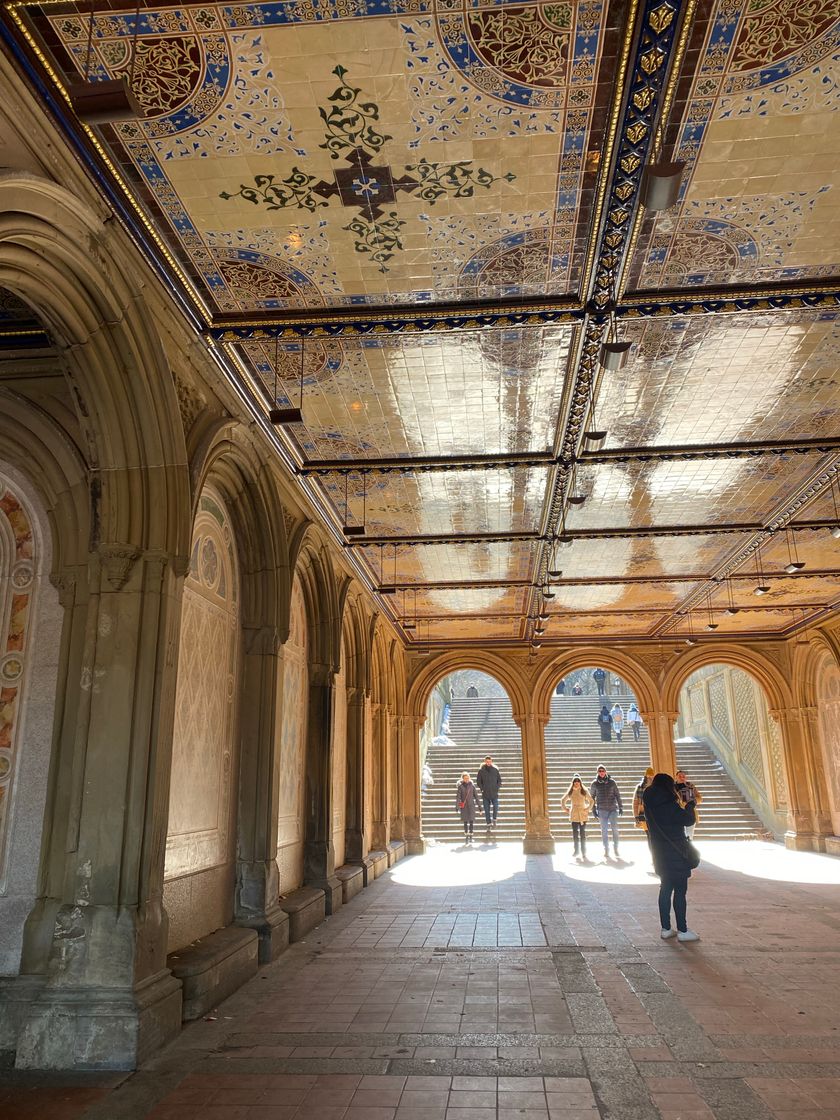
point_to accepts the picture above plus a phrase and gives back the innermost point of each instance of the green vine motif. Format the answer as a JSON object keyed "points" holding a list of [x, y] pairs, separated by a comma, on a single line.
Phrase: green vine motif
{"points": [[378, 238], [294, 191], [348, 121], [455, 180]]}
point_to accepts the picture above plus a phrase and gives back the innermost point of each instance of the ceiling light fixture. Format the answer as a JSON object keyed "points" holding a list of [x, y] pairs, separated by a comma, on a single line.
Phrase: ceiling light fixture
{"points": [[835, 483], [731, 609], [288, 415], [794, 563], [761, 588], [711, 624], [614, 352], [662, 179], [355, 530], [110, 100]]}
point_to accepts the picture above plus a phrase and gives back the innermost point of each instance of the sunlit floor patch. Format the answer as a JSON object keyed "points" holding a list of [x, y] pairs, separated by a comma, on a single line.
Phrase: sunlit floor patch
{"points": [[454, 865]]}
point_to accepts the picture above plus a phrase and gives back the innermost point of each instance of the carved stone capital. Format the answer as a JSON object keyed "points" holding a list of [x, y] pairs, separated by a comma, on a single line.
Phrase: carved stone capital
{"points": [[117, 560], [65, 583]]}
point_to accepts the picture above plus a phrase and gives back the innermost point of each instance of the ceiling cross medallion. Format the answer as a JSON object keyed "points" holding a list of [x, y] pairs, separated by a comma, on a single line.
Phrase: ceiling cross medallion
{"points": [[351, 137]]}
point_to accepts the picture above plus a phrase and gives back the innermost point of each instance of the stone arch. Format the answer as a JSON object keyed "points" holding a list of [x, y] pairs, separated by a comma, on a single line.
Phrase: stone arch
{"points": [[817, 676], [426, 677], [752, 661], [314, 567], [613, 661], [294, 707], [56, 255]]}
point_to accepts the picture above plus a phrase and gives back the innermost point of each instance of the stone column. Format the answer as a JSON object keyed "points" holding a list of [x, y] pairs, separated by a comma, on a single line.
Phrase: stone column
{"points": [[395, 785], [809, 817], [356, 845], [257, 879], [97, 935], [538, 839], [410, 728], [381, 837], [318, 851], [660, 725]]}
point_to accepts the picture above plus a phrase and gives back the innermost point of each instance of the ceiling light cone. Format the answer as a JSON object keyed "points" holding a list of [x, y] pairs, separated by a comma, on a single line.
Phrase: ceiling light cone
{"points": [[548, 594], [835, 532], [536, 645], [661, 185], [731, 610], [711, 626], [595, 438], [567, 538], [555, 573], [539, 631], [543, 616], [762, 589], [104, 102], [614, 355], [577, 499], [282, 416], [794, 566]]}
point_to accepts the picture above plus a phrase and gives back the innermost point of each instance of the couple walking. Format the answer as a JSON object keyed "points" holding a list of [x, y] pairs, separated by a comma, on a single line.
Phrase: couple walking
{"points": [[604, 800], [488, 782]]}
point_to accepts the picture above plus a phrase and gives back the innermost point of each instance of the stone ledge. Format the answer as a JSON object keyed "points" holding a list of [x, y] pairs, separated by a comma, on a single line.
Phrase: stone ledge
{"points": [[379, 863], [273, 931], [212, 968], [352, 879], [306, 908], [396, 851]]}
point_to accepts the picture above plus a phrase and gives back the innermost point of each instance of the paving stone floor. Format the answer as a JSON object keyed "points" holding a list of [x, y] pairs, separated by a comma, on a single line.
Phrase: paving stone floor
{"points": [[481, 985]]}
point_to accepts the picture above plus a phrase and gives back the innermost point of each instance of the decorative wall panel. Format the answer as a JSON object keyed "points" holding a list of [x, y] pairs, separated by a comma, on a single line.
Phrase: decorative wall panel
{"points": [[293, 747], [205, 746], [746, 723], [339, 759], [828, 708]]}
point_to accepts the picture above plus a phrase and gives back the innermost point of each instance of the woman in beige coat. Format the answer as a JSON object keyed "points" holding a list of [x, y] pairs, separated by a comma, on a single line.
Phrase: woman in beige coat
{"points": [[579, 803]]}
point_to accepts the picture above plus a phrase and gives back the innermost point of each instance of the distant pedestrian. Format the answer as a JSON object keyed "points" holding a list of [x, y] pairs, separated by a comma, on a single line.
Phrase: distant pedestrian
{"points": [[472, 692], [489, 782], [578, 802], [561, 688], [599, 676], [634, 719], [576, 689], [638, 804], [617, 717], [608, 808], [688, 791], [674, 855], [466, 803], [605, 723]]}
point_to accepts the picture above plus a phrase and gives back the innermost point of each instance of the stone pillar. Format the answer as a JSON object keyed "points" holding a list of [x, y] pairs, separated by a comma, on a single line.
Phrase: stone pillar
{"points": [[809, 817], [410, 728], [318, 851], [663, 755], [97, 935], [381, 837], [257, 879], [538, 839], [395, 785], [356, 845]]}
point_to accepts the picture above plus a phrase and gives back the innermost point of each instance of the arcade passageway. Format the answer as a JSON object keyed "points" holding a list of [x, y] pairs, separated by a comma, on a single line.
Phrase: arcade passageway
{"points": [[488, 985]]}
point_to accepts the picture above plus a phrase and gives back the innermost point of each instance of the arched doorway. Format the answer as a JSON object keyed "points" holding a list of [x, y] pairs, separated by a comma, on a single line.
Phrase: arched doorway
{"points": [[827, 693], [468, 716], [293, 746], [729, 745], [595, 720]]}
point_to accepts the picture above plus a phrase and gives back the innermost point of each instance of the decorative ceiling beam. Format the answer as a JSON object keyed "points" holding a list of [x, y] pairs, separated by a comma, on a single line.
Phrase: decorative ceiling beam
{"points": [[396, 464], [735, 450], [607, 581]]}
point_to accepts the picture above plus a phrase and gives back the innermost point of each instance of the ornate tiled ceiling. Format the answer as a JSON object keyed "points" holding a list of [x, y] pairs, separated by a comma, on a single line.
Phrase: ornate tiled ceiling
{"points": [[424, 211]]}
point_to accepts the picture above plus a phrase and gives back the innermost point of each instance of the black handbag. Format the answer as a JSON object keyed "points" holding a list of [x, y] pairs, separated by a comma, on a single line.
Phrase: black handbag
{"points": [[686, 849]]}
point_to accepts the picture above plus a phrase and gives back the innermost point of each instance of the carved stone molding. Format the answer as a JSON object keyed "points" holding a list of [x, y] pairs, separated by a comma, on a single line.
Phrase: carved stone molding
{"points": [[117, 560]]}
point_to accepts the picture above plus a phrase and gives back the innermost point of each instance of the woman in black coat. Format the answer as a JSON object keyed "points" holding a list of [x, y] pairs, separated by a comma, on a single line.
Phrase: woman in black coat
{"points": [[672, 852], [605, 723]]}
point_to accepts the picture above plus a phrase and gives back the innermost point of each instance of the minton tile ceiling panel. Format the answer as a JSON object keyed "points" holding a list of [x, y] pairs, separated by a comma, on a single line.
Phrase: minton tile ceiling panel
{"points": [[648, 557], [725, 378], [484, 501], [756, 120], [620, 597], [494, 602], [695, 492], [800, 591], [602, 625], [459, 393], [298, 154]]}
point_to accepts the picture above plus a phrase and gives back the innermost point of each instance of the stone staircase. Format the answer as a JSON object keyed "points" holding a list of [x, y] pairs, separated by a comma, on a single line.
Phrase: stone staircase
{"points": [[573, 745]]}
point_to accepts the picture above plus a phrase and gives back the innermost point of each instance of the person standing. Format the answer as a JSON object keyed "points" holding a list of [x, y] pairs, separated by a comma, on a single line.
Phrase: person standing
{"points": [[617, 717], [608, 808], [599, 676], [578, 802], [605, 723], [489, 782], [634, 719], [673, 854], [561, 687], [638, 805], [688, 791], [466, 803]]}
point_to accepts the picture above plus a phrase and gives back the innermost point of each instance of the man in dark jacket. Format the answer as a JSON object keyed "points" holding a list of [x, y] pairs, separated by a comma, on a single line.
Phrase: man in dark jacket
{"points": [[600, 677], [608, 808], [489, 781]]}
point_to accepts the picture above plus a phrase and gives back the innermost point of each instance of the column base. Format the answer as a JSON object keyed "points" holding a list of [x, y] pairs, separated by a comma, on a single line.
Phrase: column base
{"points": [[333, 892], [99, 1028], [806, 842], [832, 845], [273, 931], [366, 864], [542, 845], [416, 845]]}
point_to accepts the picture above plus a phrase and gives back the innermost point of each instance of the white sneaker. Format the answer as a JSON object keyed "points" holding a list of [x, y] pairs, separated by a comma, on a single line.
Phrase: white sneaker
{"points": [[666, 933], [689, 935]]}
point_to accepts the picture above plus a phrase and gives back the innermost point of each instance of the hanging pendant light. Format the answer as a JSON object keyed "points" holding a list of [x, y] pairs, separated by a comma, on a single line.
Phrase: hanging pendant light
{"points": [[711, 624], [289, 415], [575, 498], [794, 564], [614, 352], [388, 588], [661, 179], [107, 101], [410, 624], [835, 532], [731, 610], [348, 529], [761, 587]]}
